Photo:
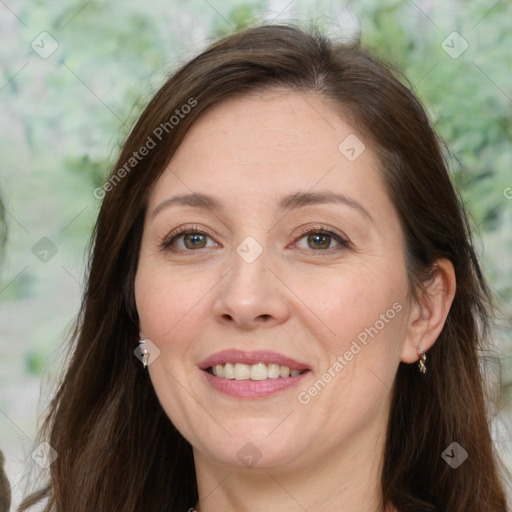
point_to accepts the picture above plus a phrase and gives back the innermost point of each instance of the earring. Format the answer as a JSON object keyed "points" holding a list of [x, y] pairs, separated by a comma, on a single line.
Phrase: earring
{"points": [[422, 361], [144, 353]]}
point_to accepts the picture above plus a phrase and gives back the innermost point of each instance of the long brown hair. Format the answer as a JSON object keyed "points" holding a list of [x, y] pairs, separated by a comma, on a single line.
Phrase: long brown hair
{"points": [[117, 450]]}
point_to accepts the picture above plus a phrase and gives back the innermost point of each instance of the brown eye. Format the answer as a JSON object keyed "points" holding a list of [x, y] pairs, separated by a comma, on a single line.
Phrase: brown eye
{"points": [[187, 240], [194, 240], [319, 241]]}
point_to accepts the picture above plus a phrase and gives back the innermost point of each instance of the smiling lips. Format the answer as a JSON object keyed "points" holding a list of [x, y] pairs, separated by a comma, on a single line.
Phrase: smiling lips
{"points": [[252, 374]]}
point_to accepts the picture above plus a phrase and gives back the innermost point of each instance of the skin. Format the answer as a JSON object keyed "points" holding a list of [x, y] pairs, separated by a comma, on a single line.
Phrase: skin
{"points": [[306, 302]]}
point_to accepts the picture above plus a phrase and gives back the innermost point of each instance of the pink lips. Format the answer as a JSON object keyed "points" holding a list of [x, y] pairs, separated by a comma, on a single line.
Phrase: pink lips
{"points": [[250, 388]]}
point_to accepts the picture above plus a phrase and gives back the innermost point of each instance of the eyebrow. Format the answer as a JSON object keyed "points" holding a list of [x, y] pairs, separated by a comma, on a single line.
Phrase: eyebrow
{"points": [[301, 199], [287, 203], [196, 200]]}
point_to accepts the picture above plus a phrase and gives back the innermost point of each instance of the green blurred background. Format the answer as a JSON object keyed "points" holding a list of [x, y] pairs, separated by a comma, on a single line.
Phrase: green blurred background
{"points": [[75, 75]]}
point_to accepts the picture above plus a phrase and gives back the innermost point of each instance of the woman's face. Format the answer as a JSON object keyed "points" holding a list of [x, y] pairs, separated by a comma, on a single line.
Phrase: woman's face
{"points": [[270, 245]]}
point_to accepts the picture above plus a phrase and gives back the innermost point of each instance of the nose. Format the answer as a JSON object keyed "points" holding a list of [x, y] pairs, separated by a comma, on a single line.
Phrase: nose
{"points": [[251, 296]]}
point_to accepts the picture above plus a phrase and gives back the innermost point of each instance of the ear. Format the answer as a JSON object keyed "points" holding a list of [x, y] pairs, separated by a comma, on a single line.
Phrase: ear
{"points": [[428, 315]]}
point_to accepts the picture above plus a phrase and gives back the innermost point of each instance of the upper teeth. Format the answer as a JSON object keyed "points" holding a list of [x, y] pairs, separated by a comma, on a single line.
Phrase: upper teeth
{"points": [[258, 371]]}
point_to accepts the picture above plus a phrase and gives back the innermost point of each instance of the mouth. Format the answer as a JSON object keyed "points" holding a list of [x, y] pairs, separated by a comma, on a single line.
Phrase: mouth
{"points": [[252, 374], [258, 372]]}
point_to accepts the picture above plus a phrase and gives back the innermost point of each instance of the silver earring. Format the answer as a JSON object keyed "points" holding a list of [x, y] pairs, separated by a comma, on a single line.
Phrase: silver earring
{"points": [[144, 353], [421, 363]]}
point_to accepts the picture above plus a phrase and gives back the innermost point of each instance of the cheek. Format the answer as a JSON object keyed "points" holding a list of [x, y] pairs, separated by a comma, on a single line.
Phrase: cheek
{"points": [[164, 300], [364, 315], [168, 309], [352, 302], [361, 360]]}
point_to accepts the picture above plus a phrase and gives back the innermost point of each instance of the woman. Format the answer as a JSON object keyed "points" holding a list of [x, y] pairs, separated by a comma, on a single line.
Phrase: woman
{"points": [[281, 246]]}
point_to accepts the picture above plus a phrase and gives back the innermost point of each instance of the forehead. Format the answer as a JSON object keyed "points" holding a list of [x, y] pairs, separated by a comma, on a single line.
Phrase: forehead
{"points": [[276, 121], [261, 144]]}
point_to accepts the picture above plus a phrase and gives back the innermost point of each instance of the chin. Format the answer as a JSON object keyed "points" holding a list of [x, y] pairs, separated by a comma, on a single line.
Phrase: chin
{"points": [[253, 445]]}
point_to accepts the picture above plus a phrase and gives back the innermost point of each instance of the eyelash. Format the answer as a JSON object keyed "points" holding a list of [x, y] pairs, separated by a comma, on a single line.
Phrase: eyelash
{"points": [[187, 230], [178, 233], [322, 230]]}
